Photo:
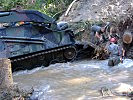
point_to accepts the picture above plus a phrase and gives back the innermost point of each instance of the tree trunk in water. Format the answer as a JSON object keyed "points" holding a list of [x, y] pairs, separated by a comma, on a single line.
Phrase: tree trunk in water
{"points": [[6, 80], [127, 37]]}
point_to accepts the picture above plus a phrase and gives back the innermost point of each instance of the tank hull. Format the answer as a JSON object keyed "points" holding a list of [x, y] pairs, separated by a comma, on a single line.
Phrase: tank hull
{"points": [[33, 39]]}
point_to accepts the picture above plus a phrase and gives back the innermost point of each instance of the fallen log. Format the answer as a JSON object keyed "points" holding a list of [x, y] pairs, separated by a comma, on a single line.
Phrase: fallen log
{"points": [[70, 6], [127, 37], [6, 80]]}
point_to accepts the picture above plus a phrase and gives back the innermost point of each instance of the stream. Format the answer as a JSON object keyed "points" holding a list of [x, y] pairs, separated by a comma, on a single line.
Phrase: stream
{"points": [[78, 80]]}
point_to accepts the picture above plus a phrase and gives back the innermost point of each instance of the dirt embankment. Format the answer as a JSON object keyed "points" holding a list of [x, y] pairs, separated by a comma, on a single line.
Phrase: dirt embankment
{"points": [[83, 13], [86, 10]]}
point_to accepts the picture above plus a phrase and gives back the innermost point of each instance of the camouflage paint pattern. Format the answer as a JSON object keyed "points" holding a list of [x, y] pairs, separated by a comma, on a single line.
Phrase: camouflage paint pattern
{"points": [[29, 31]]}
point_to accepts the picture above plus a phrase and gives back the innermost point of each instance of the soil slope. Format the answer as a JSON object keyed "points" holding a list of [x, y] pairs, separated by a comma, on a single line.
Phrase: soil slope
{"points": [[86, 10]]}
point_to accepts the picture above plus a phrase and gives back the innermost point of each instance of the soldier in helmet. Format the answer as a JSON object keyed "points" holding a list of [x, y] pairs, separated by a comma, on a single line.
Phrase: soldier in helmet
{"points": [[113, 33], [97, 33], [115, 53]]}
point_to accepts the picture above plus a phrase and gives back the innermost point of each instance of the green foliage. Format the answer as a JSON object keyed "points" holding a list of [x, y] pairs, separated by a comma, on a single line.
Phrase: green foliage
{"points": [[52, 7], [83, 26], [49, 7], [9, 4]]}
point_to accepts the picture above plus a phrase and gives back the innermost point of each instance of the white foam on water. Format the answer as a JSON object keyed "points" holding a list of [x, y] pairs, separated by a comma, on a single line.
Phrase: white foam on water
{"points": [[123, 87], [93, 64], [87, 66], [126, 63], [24, 72], [40, 94], [19, 73]]}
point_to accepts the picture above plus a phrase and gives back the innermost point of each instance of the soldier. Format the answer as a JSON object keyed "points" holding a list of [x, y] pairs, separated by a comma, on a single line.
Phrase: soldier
{"points": [[96, 35], [115, 53], [113, 33]]}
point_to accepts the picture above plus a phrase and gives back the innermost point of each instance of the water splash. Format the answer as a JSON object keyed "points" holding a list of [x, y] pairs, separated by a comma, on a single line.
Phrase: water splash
{"points": [[40, 94], [24, 72]]}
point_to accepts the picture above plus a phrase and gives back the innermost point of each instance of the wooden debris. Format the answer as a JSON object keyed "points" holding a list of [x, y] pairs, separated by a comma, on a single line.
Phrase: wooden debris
{"points": [[104, 91], [100, 52], [127, 37], [69, 8]]}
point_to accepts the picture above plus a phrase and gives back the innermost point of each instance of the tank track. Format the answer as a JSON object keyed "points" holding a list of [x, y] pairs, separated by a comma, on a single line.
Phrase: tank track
{"points": [[40, 58]]}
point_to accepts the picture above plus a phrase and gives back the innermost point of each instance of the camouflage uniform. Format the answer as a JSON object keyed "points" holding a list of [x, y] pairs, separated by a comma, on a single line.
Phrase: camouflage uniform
{"points": [[115, 52], [95, 29]]}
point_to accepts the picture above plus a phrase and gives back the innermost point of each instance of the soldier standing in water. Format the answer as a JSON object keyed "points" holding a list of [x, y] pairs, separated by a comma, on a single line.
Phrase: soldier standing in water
{"points": [[116, 53]]}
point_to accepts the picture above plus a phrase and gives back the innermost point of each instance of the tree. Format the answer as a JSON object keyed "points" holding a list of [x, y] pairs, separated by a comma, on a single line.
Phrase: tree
{"points": [[49, 7]]}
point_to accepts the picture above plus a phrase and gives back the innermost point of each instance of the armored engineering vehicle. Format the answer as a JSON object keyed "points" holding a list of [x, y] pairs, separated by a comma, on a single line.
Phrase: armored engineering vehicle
{"points": [[30, 38]]}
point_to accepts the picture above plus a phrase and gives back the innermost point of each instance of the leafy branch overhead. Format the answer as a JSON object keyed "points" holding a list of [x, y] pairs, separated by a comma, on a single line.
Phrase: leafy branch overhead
{"points": [[49, 7]]}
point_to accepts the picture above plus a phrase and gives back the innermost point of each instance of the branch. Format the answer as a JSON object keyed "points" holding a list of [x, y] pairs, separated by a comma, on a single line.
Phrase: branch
{"points": [[70, 6]]}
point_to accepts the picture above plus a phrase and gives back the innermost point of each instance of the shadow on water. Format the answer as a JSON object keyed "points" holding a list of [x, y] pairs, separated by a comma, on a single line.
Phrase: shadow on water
{"points": [[80, 80]]}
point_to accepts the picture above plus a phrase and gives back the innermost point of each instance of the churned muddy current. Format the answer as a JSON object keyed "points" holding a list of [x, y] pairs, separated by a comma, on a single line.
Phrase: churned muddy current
{"points": [[79, 80]]}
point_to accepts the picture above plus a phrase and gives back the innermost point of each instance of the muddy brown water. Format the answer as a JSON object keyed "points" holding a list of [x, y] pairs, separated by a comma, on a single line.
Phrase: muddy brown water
{"points": [[79, 80]]}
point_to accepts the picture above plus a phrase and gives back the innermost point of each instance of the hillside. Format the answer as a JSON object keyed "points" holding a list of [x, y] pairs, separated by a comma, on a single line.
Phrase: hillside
{"points": [[86, 10]]}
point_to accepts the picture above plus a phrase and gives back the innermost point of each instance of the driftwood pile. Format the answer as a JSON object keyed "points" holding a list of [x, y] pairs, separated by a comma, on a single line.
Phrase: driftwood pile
{"points": [[104, 91]]}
